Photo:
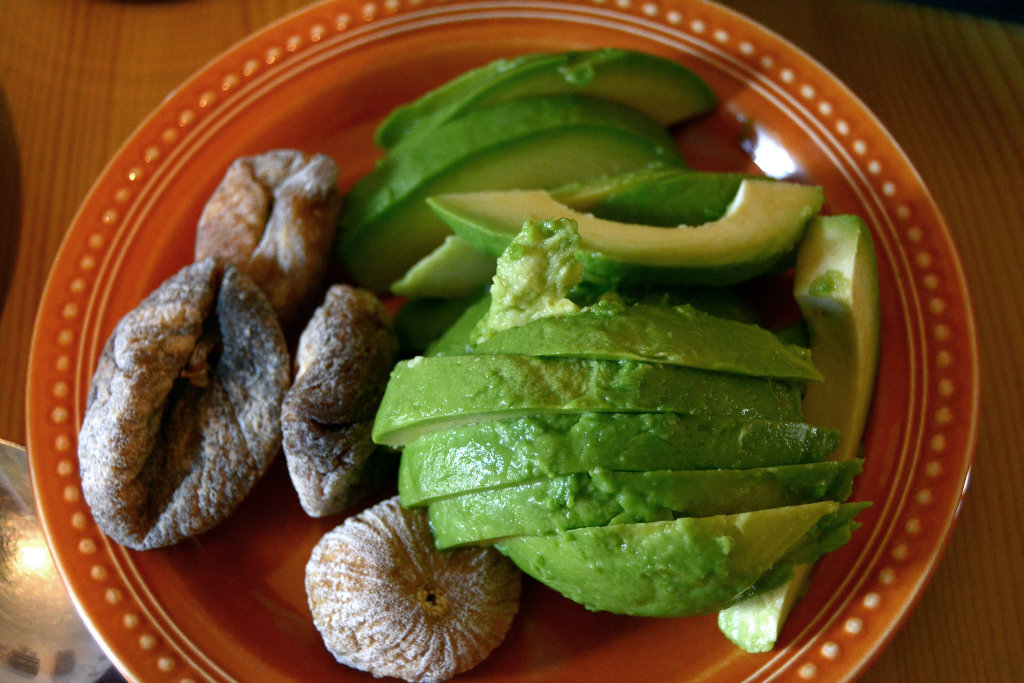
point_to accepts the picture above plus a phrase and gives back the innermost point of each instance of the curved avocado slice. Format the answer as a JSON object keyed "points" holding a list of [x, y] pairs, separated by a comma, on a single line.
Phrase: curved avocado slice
{"points": [[503, 452], [455, 267], [438, 392], [678, 335], [436, 104], [836, 287], [453, 270], [525, 143], [664, 90], [602, 497], [662, 197], [683, 567], [761, 226], [586, 194]]}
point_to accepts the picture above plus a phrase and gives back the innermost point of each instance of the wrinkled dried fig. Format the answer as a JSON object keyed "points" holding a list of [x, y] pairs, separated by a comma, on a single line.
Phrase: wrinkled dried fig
{"points": [[274, 216], [343, 360], [386, 601], [183, 413]]}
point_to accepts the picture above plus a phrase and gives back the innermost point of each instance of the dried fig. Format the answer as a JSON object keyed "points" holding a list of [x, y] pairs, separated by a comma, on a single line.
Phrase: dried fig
{"points": [[344, 357], [183, 413], [386, 601], [273, 216]]}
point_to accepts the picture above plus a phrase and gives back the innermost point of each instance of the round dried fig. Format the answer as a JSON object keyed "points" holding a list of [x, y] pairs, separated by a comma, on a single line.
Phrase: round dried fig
{"points": [[273, 216], [183, 413], [387, 602], [343, 360]]}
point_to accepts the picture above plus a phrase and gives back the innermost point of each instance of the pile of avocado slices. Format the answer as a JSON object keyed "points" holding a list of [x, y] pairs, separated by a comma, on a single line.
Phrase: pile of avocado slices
{"points": [[536, 121], [588, 394], [656, 464]]}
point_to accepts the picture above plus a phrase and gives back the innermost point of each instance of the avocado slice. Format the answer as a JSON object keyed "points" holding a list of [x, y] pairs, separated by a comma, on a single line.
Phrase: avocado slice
{"points": [[503, 452], [636, 196], [662, 197], [654, 195], [836, 287], [601, 497], [683, 567], [678, 335], [533, 277], [421, 322], [722, 302], [664, 90], [456, 339], [451, 271], [586, 194], [428, 393], [525, 143], [761, 226], [434, 104]]}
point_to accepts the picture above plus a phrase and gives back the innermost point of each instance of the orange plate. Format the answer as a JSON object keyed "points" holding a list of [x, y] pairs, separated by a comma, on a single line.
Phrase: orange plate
{"points": [[231, 604]]}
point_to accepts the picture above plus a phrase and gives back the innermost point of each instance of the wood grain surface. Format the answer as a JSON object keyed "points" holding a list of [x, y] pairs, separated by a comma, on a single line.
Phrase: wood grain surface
{"points": [[77, 76]]}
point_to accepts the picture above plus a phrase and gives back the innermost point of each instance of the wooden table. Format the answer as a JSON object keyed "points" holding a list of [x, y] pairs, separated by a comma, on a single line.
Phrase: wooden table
{"points": [[76, 76]]}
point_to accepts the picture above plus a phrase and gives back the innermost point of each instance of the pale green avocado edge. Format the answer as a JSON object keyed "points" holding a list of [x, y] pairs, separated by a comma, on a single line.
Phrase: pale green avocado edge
{"points": [[762, 225]]}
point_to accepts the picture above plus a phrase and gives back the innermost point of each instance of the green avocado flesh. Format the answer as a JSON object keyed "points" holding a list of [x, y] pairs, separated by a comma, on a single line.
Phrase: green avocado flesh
{"points": [[678, 335], [683, 567], [456, 339], [421, 323], [585, 195], [662, 197], [662, 89], [761, 226], [438, 392], [441, 103], [718, 301], [836, 287], [502, 452], [603, 497], [655, 196], [451, 271], [526, 143]]}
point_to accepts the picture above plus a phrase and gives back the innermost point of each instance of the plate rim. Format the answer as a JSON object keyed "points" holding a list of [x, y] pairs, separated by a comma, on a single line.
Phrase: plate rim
{"points": [[188, 90]]}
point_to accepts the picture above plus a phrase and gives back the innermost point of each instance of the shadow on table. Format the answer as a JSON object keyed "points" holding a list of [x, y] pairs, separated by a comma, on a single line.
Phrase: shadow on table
{"points": [[1010, 10], [10, 197]]}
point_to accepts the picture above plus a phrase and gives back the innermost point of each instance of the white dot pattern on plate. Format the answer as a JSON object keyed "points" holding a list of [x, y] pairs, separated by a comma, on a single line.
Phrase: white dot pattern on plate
{"points": [[699, 26]]}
